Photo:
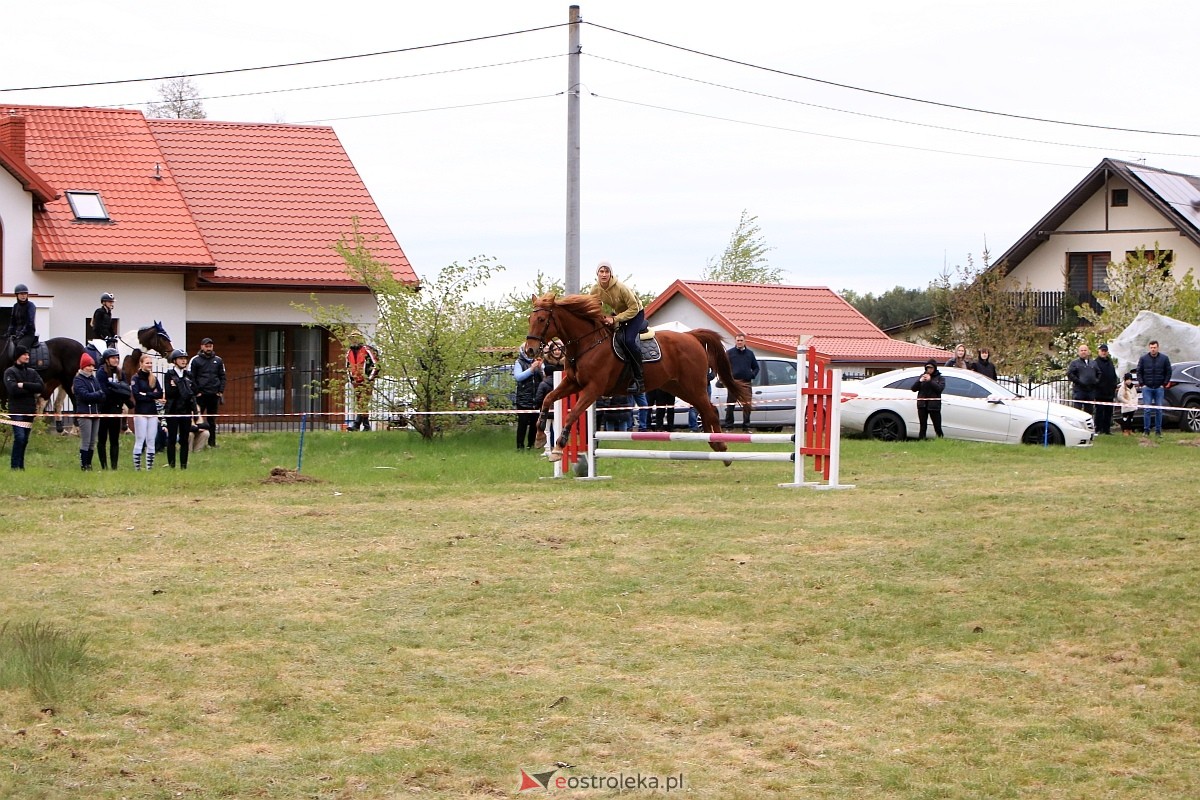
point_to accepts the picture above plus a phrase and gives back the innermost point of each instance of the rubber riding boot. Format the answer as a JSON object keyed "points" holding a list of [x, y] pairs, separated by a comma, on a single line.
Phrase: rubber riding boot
{"points": [[635, 367], [83, 460]]}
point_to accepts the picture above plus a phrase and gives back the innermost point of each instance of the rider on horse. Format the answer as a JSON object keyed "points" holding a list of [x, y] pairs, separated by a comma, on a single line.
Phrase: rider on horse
{"points": [[22, 325], [624, 310], [102, 323]]}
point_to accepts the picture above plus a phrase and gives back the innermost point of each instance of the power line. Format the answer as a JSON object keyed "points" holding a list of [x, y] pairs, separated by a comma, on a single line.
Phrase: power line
{"points": [[881, 117], [889, 94], [833, 136], [437, 108], [347, 83], [281, 66]]}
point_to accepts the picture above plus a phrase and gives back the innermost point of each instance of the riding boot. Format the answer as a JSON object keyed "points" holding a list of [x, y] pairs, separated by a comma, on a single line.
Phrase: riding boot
{"points": [[635, 367], [103, 460], [91, 455], [83, 460]]}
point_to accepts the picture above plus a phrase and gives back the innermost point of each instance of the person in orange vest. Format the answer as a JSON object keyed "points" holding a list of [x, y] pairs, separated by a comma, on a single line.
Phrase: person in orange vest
{"points": [[362, 366]]}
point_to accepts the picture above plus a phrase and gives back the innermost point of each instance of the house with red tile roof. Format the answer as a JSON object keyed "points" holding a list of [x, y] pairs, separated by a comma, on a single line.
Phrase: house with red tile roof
{"points": [[774, 317], [215, 228]]}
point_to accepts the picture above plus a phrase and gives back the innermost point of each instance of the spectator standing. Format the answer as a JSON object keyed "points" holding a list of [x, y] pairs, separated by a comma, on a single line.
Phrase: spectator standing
{"points": [[22, 324], [1127, 396], [1106, 391], [147, 391], [615, 412], [23, 384], [528, 374], [89, 395], [929, 387], [959, 359], [362, 368], [208, 375], [1084, 376], [745, 368], [180, 393], [1153, 373], [663, 417], [545, 386], [983, 364], [117, 397]]}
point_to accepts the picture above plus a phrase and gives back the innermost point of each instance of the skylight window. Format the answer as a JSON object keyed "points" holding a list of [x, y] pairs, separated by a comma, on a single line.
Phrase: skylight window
{"points": [[87, 206]]}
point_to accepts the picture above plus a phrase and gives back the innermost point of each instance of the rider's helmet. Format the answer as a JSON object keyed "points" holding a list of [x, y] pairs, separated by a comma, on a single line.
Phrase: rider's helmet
{"points": [[107, 296], [177, 353], [20, 288], [109, 353]]}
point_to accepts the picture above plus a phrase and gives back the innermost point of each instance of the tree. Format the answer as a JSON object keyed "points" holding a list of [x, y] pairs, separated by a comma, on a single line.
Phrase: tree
{"points": [[894, 307], [1142, 282], [180, 99], [983, 307], [428, 337], [745, 257]]}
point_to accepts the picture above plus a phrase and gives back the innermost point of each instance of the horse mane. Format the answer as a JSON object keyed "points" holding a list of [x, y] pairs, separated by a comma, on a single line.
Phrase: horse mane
{"points": [[581, 305]]}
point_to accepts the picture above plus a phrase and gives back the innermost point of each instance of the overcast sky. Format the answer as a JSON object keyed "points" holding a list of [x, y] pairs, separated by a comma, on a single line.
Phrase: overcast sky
{"points": [[852, 189]]}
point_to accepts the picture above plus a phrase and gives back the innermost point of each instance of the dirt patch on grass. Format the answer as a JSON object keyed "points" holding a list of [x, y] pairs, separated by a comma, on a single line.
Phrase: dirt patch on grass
{"points": [[284, 475]]}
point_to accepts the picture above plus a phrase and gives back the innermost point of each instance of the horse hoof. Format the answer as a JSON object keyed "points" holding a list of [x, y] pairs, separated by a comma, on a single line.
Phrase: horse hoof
{"points": [[554, 455]]}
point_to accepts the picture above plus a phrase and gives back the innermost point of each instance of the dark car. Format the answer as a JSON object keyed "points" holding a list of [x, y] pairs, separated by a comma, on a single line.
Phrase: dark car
{"points": [[1184, 392]]}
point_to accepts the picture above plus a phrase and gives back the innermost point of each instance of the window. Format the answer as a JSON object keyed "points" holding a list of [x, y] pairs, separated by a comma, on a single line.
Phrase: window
{"points": [[780, 373], [1164, 258], [964, 388], [1087, 273], [1120, 198], [87, 206]]}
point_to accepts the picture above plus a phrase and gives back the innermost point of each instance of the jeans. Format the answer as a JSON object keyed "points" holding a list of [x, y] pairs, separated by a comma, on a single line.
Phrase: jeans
{"points": [[20, 441], [1153, 397]]}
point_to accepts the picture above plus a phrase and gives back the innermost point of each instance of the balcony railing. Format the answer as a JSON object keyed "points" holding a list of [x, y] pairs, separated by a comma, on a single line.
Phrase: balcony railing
{"points": [[1053, 306]]}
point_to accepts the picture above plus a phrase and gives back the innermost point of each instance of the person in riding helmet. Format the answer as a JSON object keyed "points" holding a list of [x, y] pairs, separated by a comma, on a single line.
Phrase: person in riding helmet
{"points": [[22, 325], [117, 398], [180, 393], [146, 390], [623, 310], [103, 330]]}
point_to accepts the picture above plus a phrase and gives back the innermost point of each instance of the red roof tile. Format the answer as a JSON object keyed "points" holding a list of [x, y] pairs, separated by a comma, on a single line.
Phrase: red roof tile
{"points": [[238, 204], [271, 200], [773, 317], [112, 152]]}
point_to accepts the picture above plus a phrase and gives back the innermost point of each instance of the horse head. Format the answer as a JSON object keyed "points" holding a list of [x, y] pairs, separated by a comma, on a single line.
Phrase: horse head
{"points": [[567, 318], [155, 337]]}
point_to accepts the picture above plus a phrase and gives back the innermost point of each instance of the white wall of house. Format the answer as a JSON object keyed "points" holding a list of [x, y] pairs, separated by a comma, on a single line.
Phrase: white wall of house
{"points": [[16, 231], [141, 299], [1088, 231], [273, 307], [680, 309]]}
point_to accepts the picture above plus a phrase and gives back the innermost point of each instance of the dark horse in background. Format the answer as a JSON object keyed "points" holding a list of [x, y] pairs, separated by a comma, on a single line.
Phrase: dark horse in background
{"points": [[150, 338], [593, 369]]}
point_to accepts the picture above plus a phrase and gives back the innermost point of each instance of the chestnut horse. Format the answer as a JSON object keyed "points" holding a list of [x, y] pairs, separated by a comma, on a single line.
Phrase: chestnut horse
{"points": [[593, 370]]}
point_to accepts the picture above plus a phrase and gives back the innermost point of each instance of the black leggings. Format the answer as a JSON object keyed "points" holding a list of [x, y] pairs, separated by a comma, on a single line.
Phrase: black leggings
{"points": [[526, 429], [179, 429], [930, 412], [109, 442]]}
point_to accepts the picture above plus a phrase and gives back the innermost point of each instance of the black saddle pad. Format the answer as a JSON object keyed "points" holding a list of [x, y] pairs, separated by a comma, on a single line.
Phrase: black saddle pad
{"points": [[39, 356], [650, 350]]}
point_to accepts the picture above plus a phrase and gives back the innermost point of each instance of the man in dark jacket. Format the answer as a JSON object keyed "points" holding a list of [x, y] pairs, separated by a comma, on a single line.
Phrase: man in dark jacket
{"points": [[929, 387], [1153, 374], [23, 384], [1106, 390], [745, 368], [1084, 377], [208, 375]]}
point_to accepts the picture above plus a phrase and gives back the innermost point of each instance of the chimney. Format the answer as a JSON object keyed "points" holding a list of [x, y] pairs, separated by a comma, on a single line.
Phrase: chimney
{"points": [[12, 133]]}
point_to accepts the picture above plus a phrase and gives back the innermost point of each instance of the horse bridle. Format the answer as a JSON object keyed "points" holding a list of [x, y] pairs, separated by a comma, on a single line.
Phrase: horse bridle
{"points": [[566, 345]]}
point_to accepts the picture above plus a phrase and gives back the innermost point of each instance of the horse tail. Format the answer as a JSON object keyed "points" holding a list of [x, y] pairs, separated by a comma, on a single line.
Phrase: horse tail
{"points": [[718, 360]]}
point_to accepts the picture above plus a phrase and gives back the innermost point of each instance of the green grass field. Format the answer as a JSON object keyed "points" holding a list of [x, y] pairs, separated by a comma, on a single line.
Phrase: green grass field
{"points": [[426, 619]]}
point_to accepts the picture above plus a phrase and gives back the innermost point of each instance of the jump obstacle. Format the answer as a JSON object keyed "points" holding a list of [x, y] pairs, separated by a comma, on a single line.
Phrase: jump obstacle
{"points": [[818, 433]]}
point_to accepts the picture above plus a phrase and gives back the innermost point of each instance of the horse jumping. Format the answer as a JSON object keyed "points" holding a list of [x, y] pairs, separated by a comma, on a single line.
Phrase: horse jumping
{"points": [[593, 369]]}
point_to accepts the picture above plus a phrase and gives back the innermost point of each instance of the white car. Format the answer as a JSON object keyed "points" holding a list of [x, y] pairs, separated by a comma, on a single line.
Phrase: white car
{"points": [[974, 408], [773, 392]]}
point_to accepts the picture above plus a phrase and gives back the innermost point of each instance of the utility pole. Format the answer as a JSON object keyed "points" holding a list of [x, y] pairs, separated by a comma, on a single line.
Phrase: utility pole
{"points": [[571, 278]]}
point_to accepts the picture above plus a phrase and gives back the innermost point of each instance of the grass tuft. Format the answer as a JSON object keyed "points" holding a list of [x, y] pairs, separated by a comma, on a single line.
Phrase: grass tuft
{"points": [[42, 658]]}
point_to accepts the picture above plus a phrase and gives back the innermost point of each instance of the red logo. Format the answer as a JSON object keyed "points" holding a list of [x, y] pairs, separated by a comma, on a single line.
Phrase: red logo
{"points": [[538, 780]]}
